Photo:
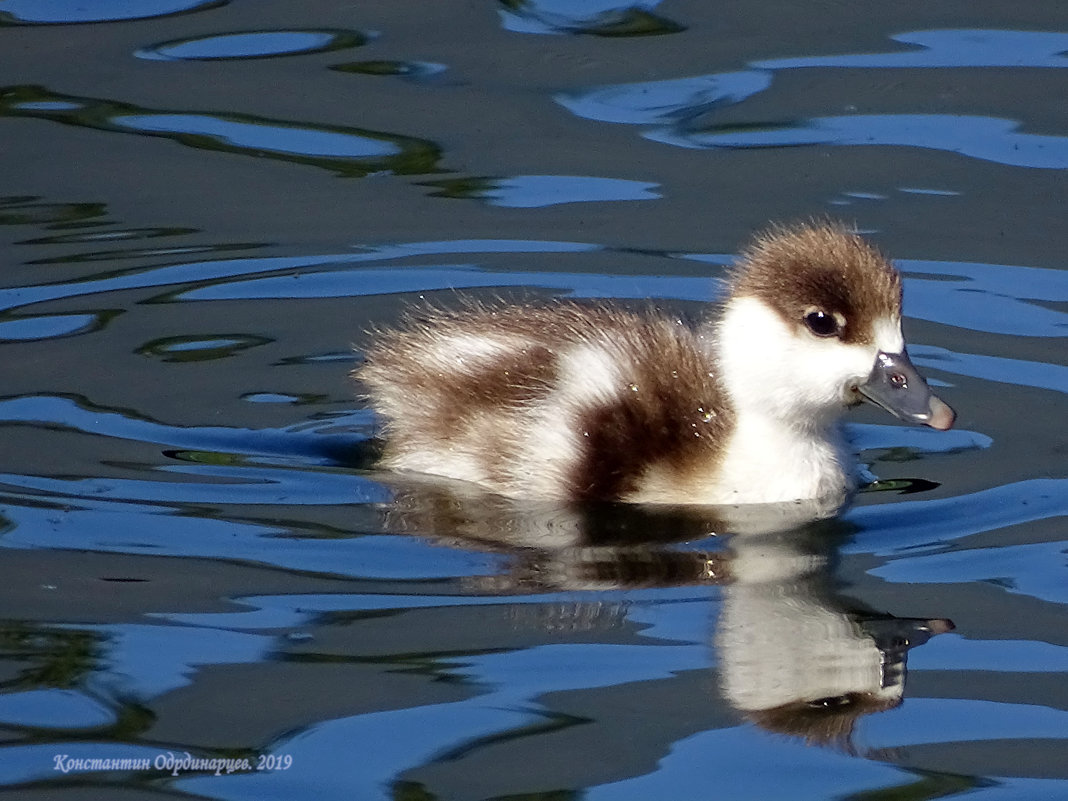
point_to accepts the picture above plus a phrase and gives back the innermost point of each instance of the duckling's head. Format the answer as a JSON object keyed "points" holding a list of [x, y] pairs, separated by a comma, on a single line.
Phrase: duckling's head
{"points": [[813, 323]]}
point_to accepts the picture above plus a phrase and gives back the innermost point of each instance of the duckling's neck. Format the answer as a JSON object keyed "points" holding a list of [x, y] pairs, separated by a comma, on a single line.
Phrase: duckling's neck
{"points": [[765, 461], [786, 444]]}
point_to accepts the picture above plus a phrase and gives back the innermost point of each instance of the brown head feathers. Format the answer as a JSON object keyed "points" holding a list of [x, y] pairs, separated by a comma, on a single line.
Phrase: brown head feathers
{"points": [[795, 268]]}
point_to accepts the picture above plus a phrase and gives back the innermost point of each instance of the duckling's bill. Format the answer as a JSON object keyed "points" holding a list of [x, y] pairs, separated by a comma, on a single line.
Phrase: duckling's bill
{"points": [[895, 385]]}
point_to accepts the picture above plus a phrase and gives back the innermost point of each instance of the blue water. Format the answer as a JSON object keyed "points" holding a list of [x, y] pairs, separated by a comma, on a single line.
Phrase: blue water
{"points": [[207, 207]]}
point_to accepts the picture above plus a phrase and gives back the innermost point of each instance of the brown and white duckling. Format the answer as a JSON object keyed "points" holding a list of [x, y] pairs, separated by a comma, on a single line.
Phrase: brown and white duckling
{"points": [[583, 403]]}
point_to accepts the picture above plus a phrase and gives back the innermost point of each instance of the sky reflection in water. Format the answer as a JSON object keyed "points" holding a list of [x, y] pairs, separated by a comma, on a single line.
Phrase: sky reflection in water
{"points": [[675, 104]]}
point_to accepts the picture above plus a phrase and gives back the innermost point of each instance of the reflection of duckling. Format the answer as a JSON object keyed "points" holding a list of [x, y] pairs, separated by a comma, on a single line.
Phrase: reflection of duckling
{"points": [[793, 657], [591, 403], [555, 546], [594, 546]]}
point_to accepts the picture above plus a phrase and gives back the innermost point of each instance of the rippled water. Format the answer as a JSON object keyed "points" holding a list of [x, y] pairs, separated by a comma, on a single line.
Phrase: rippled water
{"points": [[206, 206]]}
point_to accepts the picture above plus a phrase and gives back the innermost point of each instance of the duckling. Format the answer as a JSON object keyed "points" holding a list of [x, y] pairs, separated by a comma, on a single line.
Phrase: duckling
{"points": [[579, 403]]}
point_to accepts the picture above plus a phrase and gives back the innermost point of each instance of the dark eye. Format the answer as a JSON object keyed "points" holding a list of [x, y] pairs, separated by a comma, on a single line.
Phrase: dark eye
{"points": [[831, 702], [821, 324]]}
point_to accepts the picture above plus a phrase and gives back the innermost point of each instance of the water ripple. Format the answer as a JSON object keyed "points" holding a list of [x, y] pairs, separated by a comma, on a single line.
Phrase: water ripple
{"points": [[668, 101], [206, 272], [387, 281], [208, 347], [538, 191], [987, 297], [1000, 299], [967, 720], [346, 151], [953, 47], [27, 328], [869, 437], [28, 210], [673, 107], [594, 17], [58, 12], [310, 443], [985, 138], [993, 368], [53, 708], [412, 70], [1037, 569], [261, 135], [253, 44], [905, 526], [121, 526], [142, 278], [113, 235], [957, 652]]}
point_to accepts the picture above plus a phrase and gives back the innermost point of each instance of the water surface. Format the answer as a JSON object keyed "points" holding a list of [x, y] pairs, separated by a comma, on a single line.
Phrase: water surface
{"points": [[209, 592]]}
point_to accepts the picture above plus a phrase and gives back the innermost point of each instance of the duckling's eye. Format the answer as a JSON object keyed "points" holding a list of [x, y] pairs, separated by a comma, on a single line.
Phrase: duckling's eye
{"points": [[831, 702], [821, 324]]}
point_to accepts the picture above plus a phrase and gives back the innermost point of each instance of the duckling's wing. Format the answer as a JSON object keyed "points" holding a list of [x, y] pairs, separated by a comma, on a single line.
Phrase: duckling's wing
{"points": [[563, 401]]}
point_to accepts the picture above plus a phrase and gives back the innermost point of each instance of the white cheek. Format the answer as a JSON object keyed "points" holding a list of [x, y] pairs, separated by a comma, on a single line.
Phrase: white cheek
{"points": [[829, 366], [784, 368]]}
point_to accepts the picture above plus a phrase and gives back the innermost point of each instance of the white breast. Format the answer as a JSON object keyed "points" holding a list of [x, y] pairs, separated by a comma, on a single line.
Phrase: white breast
{"points": [[765, 462]]}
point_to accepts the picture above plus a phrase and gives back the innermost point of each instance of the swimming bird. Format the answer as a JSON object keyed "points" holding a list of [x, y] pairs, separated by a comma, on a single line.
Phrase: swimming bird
{"points": [[594, 403]]}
